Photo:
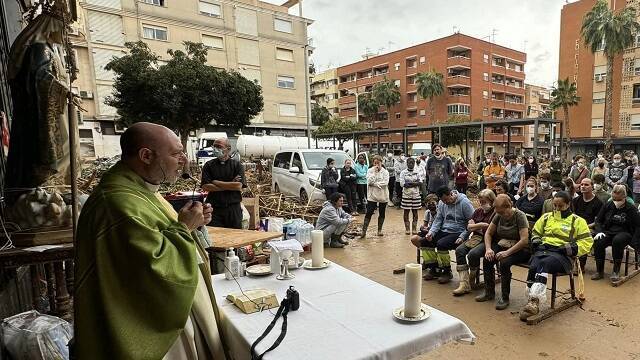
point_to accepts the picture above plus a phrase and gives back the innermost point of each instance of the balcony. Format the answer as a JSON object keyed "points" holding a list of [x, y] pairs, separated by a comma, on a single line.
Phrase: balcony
{"points": [[459, 98], [349, 99], [459, 62], [635, 103], [515, 74], [458, 81]]}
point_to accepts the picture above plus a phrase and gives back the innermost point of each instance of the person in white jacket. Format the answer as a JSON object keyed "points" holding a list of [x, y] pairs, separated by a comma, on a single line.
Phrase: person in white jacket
{"points": [[377, 194]]}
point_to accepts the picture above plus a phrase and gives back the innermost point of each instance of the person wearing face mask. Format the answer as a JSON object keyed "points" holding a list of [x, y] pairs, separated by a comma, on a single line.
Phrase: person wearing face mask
{"points": [[377, 194], [329, 178], [411, 201], [557, 239], [600, 168], [142, 271], [223, 178], [361, 182], [515, 175], [439, 169], [506, 243], [531, 203], [473, 246], [635, 183], [493, 172], [547, 206], [399, 166], [389, 164], [617, 225], [597, 160], [347, 186], [579, 172], [461, 176], [531, 167], [599, 188], [617, 171], [545, 186], [555, 169], [587, 206]]}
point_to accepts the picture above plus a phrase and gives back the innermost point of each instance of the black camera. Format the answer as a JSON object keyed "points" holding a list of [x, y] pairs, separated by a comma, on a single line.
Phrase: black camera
{"points": [[293, 298]]}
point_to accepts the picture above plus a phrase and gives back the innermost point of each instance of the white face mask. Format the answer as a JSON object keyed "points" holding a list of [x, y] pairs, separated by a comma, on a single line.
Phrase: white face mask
{"points": [[553, 193], [402, 158], [597, 187], [619, 204], [389, 155], [530, 161], [616, 161], [544, 185], [486, 207], [531, 190]]}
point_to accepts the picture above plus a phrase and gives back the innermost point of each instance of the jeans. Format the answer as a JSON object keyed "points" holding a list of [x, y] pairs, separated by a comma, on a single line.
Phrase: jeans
{"points": [[362, 196], [392, 187], [473, 254], [349, 191], [398, 194], [371, 208], [505, 264]]}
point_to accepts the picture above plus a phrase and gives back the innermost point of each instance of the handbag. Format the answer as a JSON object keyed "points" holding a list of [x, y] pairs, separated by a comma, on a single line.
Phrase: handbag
{"points": [[506, 243]]}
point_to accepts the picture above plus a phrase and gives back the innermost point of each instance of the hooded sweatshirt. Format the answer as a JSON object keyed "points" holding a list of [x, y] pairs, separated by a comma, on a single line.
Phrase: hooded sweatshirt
{"points": [[330, 216], [453, 218]]}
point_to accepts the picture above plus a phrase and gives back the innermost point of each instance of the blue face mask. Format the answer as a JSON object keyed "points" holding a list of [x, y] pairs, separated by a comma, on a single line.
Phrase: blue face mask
{"points": [[217, 152]]}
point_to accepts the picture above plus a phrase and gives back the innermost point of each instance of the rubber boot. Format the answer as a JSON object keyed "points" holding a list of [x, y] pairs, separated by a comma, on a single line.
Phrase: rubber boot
{"points": [[335, 242], [414, 226], [340, 238], [430, 273], [505, 286], [615, 274], [445, 275], [407, 231], [489, 286], [599, 270], [532, 308], [473, 277], [463, 286], [365, 225], [380, 223]]}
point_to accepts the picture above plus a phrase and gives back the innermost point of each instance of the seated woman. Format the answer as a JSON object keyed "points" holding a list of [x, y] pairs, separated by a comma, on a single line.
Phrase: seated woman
{"points": [[557, 237], [429, 215], [547, 206], [473, 247], [617, 225], [531, 203], [333, 221], [506, 242], [503, 188]]}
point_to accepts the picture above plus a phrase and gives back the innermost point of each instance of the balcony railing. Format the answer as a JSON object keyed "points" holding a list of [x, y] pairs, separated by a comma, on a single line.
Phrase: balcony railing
{"points": [[459, 61], [458, 81]]}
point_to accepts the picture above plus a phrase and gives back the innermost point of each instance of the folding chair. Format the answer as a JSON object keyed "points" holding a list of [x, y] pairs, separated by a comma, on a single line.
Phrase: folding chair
{"points": [[627, 276]]}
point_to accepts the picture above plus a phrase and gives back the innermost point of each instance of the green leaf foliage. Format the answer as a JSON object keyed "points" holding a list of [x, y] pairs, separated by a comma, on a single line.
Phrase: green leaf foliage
{"points": [[319, 115], [337, 125], [386, 93], [452, 136]]}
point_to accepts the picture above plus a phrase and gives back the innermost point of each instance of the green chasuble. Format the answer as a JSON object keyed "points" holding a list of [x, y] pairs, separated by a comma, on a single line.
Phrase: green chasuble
{"points": [[136, 272]]}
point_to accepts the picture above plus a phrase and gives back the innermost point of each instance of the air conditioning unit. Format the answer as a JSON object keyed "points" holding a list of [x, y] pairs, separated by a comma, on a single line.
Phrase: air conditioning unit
{"points": [[369, 125], [74, 31], [86, 94], [599, 78]]}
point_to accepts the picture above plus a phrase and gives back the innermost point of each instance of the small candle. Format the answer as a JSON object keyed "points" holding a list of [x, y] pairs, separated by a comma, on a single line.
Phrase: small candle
{"points": [[317, 248], [412, 290]]}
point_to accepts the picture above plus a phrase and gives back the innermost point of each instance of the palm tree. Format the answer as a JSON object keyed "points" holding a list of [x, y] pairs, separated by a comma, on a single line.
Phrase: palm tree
{"points": [[386, 93], [564, 96], [430, 85], [614, 32], [368, 106]]}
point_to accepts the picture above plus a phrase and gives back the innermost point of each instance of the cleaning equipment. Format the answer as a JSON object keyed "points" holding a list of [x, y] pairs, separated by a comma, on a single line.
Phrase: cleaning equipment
{"points": [[232, 265]]}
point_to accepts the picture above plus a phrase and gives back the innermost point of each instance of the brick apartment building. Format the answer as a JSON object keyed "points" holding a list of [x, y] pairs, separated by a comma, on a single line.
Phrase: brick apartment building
{"points": [[588, 71], [483, 81]]}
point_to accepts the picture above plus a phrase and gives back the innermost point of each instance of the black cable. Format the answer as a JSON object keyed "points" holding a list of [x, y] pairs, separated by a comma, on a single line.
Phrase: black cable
{"points": [[259, 306]]}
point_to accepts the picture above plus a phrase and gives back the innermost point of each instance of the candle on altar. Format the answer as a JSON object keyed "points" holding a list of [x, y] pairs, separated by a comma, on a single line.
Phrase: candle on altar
{"points": [[412, 289], [317, 248]]}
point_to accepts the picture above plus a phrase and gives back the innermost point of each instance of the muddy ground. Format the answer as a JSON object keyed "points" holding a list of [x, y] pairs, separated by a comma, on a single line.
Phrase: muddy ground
{"points": [[608, 326]]}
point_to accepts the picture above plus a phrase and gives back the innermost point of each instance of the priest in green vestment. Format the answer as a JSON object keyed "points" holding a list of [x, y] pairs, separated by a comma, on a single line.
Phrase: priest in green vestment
{"points": [[143, 285]]}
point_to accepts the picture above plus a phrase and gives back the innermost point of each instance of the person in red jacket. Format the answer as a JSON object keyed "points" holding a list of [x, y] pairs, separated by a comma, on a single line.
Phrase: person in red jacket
{"points": [[461, 176]]}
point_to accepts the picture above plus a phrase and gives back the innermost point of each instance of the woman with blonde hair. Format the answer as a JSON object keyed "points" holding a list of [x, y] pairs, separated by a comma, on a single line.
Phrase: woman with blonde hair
{"points": [[377, 194]]}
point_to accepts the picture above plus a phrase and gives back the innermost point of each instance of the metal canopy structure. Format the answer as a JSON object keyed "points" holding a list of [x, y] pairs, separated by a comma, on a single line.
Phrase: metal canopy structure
{"points": [[405, 131]]}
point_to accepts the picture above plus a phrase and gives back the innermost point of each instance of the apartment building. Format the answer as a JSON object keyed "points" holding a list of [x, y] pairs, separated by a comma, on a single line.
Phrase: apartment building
{"points": [[324, 90], [483, 81], [537, 102], [588, 71], [261, 41]]}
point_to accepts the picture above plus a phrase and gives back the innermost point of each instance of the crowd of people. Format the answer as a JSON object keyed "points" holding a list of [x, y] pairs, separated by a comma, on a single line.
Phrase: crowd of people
{"points": [[536, 211]]}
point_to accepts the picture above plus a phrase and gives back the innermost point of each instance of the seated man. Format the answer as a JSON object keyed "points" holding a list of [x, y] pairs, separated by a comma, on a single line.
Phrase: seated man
{"points": [[429, 215], [599, 188], [448, 231], [617, 225], [473, 247], [587, 206], [505, 242], [557, 238], [333, 221]]}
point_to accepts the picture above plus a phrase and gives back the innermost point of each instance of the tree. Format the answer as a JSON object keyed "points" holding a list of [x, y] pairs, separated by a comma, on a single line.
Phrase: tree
{"points": [[430, 85], [184, 95], [613, 32], [564, 96], [452, 136], [319, 115], [386, 93], [368, 106], [337, 125]]}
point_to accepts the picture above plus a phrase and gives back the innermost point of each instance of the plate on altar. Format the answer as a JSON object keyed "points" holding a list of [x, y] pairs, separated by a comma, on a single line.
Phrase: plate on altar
{"points": [[259, 270], [307, 265], [424, 314]]}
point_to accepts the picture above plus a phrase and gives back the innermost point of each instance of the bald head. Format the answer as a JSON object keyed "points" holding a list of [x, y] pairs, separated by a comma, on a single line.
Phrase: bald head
{"points": [[143, 135]]}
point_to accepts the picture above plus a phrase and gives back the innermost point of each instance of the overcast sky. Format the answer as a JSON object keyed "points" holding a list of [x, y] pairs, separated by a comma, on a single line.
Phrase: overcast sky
{"points": [[344, 29]]}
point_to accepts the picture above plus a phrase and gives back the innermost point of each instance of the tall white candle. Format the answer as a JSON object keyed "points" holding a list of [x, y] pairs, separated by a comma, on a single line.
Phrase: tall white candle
{"points": [[412, 289], [317, 248]]}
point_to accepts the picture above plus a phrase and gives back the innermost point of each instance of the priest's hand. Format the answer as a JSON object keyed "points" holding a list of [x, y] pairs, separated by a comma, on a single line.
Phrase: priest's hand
{"points": [[192, 215], [207, 212]]}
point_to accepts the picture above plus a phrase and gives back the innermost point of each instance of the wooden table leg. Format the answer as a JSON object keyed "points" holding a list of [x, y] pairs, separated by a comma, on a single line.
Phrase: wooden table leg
{"points": [[39, 289], [63, 303], [51, 290], [68, 268]]}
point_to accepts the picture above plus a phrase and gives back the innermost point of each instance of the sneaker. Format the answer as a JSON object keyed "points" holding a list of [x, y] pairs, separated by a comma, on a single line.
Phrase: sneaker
{"points": [[597, 276], [380, 233], [430, 274], [532, 308], [486, 296], [445, 277], [615, 277], [502, 304]]}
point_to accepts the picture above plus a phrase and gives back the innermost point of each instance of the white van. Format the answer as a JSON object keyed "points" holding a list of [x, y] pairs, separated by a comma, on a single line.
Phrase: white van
{"points": [[296, 172]]}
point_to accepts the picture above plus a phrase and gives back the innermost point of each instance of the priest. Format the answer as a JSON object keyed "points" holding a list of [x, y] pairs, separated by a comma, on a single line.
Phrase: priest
{"points": [[143, 285]]}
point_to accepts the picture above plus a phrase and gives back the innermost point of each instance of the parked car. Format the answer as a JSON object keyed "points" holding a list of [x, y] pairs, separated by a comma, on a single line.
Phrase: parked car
{"points": [[297, 172]]}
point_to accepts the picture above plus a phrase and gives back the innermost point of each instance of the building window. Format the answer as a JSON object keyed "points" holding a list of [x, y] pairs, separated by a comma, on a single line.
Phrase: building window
{"points": [[396, 83], [423, 112], [412, 113], [284, 54], [458, 109], [396, 66], [485, 76], [213, 42], [485, 58], [287, 109], [597, 124], [598, 97], [398, 115], [154, 2], [411, 63], [485, 112], [600, 73], [286, 82], [282, 25], [209, 9], [411, 80], [485, 94], [154, 32], [107, 128], [634, 122], [412, 97], [423, 59], [636, 93]]}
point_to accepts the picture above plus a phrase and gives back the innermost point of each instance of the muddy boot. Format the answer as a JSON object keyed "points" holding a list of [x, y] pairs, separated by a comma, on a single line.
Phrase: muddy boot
{"points": [[487, 295], [489, 286], [380, 223], [430, 274], [599, 270], [532, 308], [505, 289], [615, 274], [339, 239], [335, 242], [365, 225], [503, 302], [473, 278], [414, 227], [463, 287], [407, 231], [445, 276]]}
